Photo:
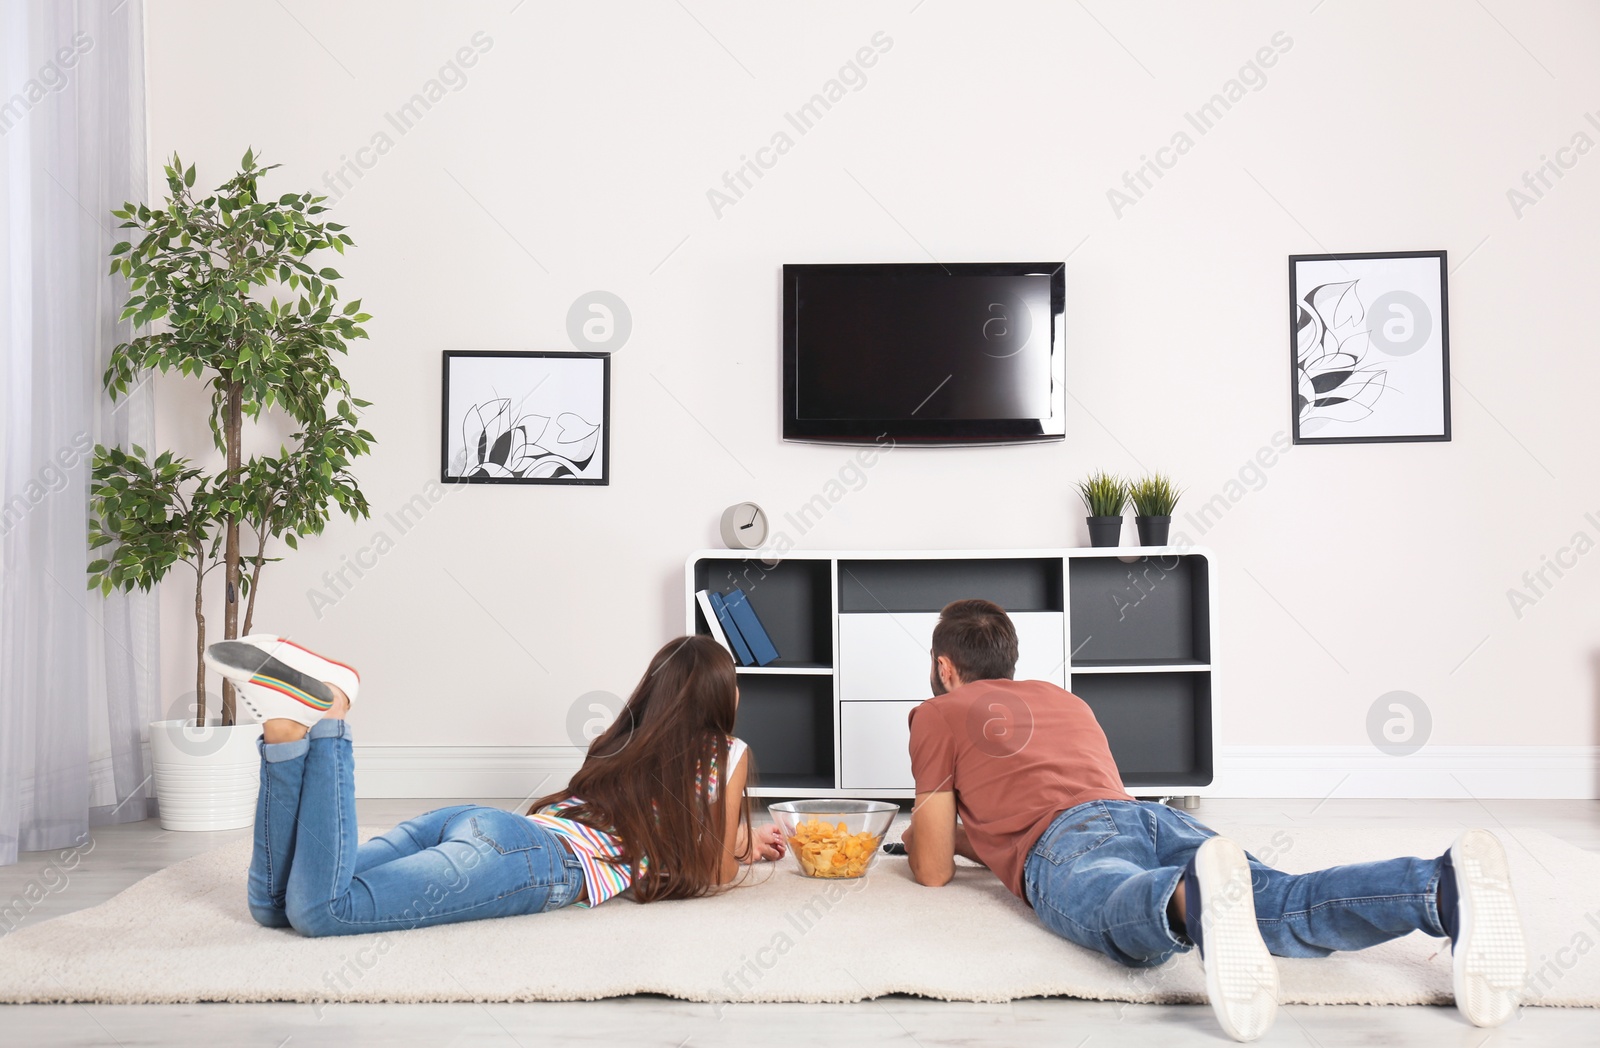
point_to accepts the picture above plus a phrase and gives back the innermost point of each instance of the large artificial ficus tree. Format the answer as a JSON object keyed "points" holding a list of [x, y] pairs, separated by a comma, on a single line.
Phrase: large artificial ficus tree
{"points": [[225, 290]]}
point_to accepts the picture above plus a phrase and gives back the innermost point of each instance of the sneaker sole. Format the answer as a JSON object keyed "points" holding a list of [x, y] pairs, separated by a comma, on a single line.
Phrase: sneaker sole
{"points": [[308, 662], [269, 688], [1241, 977], [1490, 959]]}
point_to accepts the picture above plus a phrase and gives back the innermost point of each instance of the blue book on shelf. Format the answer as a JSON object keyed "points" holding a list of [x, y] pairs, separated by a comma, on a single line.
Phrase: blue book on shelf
{"points": [[741, 650], [744, 616]]}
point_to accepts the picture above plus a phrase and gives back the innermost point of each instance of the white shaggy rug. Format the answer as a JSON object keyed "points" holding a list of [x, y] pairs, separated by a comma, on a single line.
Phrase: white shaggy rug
{"points": [[184, 935]]}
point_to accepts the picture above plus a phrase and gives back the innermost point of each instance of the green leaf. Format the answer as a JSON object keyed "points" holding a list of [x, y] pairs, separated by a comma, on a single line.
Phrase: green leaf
{"points": [[1104, 494], [200, 263]]}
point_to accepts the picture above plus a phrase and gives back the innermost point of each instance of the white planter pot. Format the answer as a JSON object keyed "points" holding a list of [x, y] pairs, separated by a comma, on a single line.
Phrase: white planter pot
{"points": [[206, 777]]}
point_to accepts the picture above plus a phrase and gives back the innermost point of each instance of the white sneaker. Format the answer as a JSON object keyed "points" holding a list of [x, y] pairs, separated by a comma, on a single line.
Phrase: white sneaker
{"points": [[1489, 956], [278, 679], [317, 667], [1241, 977]]}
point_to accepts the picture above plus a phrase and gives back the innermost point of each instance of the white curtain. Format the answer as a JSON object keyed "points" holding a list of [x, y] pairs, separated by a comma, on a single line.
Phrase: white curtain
{"points": [[78, 672]]}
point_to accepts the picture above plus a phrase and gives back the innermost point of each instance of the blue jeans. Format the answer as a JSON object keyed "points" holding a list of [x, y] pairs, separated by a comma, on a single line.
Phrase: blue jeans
{"points": [[310, 872], [1103, 872]]}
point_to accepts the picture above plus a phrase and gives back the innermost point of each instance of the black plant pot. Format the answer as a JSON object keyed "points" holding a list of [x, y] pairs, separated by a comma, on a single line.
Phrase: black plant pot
{"points": [[1105, 531], [1153, 530]]}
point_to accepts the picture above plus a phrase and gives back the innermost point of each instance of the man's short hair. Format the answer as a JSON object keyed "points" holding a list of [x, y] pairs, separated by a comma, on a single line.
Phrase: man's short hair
{"points": [[978, 638]]}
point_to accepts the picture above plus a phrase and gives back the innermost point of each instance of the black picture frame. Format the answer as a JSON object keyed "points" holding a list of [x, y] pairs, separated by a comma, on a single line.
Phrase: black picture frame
{"points": [[502, 456], [1351, 380]]}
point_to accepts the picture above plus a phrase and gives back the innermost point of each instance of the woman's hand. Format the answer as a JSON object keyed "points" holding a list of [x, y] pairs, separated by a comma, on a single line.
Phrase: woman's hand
{"points": [[768, 843]]}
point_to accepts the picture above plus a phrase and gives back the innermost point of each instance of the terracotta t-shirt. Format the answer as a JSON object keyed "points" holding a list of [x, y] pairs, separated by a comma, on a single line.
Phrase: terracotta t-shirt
{"points": [[1016, 754]]}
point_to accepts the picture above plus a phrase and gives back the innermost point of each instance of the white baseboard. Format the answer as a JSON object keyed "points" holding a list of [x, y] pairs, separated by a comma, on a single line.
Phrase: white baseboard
{"points": [[1555, 772], [464, 772]]}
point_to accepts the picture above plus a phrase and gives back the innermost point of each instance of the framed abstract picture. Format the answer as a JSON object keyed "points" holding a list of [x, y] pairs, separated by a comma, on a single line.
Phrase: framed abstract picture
{"points": [[1369, 346], [517, 417]]}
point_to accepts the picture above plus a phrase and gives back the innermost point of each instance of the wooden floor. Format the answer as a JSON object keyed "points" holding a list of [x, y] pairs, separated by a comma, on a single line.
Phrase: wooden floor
{"points": [[122, 855]]}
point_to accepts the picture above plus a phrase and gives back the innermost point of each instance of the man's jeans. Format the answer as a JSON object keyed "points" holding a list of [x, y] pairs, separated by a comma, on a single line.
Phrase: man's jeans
{"points": [[1103, 872], [309, 870]]}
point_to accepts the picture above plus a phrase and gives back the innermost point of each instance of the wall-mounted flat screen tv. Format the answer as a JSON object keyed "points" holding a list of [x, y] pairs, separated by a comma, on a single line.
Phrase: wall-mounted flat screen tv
{"points": [[924, 353]]}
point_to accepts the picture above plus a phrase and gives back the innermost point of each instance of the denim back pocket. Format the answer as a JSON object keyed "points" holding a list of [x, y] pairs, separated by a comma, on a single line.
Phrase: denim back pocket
{"points": [[507, 835], [1076, 831], [524, 862]]}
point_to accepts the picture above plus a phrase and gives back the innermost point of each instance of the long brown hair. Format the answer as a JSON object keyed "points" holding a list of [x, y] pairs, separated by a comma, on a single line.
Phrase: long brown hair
{"points": [[642, 778]]}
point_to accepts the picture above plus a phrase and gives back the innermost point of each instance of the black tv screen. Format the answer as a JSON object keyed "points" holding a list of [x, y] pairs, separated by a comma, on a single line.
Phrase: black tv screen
{"points": [[957, 353]]}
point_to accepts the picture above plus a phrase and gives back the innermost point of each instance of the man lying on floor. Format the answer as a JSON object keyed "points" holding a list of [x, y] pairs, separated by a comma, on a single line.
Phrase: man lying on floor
{"points": [[1026, 768]]}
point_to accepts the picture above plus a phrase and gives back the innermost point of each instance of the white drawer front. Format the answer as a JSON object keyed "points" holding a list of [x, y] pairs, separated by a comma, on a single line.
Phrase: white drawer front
{"points": [[884, 656], [874, 746]]}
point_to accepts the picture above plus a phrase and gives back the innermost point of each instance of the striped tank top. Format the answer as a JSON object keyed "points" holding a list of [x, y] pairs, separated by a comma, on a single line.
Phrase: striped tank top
{"points": [[604, 879]]}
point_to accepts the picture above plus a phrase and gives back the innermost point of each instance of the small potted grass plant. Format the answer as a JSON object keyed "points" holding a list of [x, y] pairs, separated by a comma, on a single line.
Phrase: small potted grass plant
{"points": [[1104, 496], [1154, 499]]}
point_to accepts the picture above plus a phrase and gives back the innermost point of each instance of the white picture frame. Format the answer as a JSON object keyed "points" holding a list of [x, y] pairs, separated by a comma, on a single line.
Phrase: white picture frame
{"points": [[1369, 347], [526, 417]]}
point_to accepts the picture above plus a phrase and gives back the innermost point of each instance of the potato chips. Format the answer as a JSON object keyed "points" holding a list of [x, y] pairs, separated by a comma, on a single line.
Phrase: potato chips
{"points": [[831, 850]]}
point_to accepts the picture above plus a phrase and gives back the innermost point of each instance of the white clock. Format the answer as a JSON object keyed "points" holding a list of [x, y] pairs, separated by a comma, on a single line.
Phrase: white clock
{"points": [[744, 526]]}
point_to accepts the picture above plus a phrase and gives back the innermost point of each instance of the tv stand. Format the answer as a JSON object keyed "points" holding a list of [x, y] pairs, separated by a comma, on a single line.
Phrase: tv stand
{"points": [[1127, 629]]}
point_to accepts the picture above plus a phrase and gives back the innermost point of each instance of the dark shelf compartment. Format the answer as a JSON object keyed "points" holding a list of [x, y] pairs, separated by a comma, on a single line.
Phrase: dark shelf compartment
{"points": [[1158, 724], [788, 723], [1016, 584], [1153, 610], [793, 599]]}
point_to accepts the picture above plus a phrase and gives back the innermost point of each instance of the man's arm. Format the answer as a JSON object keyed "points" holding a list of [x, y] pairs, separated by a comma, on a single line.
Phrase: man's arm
{"points": [[931, 838], [964, 846]]}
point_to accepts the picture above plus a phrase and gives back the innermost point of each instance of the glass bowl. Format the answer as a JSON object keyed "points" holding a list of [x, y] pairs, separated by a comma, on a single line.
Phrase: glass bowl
{"points": [[834, 838]]}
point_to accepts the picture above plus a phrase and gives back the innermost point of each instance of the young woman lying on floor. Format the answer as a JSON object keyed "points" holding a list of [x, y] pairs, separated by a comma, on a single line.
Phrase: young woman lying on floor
{"points": [[651, 810]]}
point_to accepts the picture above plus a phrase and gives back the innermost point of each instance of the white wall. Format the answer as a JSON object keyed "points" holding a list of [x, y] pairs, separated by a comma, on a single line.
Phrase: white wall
{"points": [[579, 152]]}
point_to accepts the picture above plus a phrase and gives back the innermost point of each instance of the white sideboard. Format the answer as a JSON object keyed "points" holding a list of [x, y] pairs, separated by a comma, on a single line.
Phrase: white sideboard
{"points": [[1127, 629]]}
